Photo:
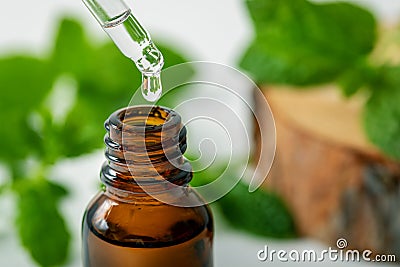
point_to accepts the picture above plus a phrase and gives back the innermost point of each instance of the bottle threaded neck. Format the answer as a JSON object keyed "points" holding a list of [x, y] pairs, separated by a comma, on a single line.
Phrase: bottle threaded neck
{"points": [[144, 147]]}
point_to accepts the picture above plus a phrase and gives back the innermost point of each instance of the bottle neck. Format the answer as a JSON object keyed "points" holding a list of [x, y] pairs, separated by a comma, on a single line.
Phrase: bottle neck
{"points": [[144, 151]]}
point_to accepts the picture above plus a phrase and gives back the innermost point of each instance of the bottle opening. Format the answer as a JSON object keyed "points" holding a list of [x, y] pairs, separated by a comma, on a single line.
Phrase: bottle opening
{"points": [[145, 145], [146, 116], [139, 118]]}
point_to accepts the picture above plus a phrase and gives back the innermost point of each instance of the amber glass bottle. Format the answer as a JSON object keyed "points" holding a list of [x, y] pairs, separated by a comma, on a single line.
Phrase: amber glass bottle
{"points": [[127, 225]]}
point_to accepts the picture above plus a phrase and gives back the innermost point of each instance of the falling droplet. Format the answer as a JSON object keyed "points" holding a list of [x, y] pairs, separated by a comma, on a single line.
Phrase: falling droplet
{"points": [[151, 87]]}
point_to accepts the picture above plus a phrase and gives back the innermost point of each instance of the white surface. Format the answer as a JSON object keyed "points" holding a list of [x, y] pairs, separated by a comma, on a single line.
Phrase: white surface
{"points": [[213, 30]]}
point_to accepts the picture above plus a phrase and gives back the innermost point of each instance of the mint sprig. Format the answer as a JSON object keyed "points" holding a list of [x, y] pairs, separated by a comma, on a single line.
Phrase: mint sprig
{"points": [[303, 43]]}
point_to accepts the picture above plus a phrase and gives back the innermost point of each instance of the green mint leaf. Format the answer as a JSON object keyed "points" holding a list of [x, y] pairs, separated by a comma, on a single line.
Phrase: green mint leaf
{"points": [[72, 51], [41, 228], [351, 81], [260, 212], [25, 82], [382, 112], [299, 42], [359, 76], [207, 175], [3, 188], [83, 130]]}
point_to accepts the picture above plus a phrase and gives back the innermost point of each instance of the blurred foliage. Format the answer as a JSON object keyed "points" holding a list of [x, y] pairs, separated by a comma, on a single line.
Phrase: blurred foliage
{"points": [[105, 81], [382, 111], [303, 43], [261, 212], [300, 42], [40, 225]]}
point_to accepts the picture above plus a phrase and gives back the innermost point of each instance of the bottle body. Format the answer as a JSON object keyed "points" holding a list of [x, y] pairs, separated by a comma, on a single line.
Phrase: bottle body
{"points": [[128, 224], [148, 234]]}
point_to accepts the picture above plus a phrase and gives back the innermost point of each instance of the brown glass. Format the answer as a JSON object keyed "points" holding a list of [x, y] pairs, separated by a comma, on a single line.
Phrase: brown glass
{"points": [[125, 225]]}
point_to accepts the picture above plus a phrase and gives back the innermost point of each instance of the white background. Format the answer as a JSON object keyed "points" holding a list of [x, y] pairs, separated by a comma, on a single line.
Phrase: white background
{"points": [[210, 30]]}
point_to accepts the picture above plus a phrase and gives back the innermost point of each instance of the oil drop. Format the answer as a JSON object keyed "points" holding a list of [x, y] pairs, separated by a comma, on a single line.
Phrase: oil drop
{"points": [[151, 87]]}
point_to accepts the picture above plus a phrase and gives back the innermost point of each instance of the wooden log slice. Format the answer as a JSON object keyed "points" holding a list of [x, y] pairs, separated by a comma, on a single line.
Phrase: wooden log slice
{"points": [[335, 182]]}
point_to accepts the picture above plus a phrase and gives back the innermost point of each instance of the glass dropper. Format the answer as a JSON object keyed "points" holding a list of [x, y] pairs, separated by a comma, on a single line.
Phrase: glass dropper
{"points": [[117, 20]]}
